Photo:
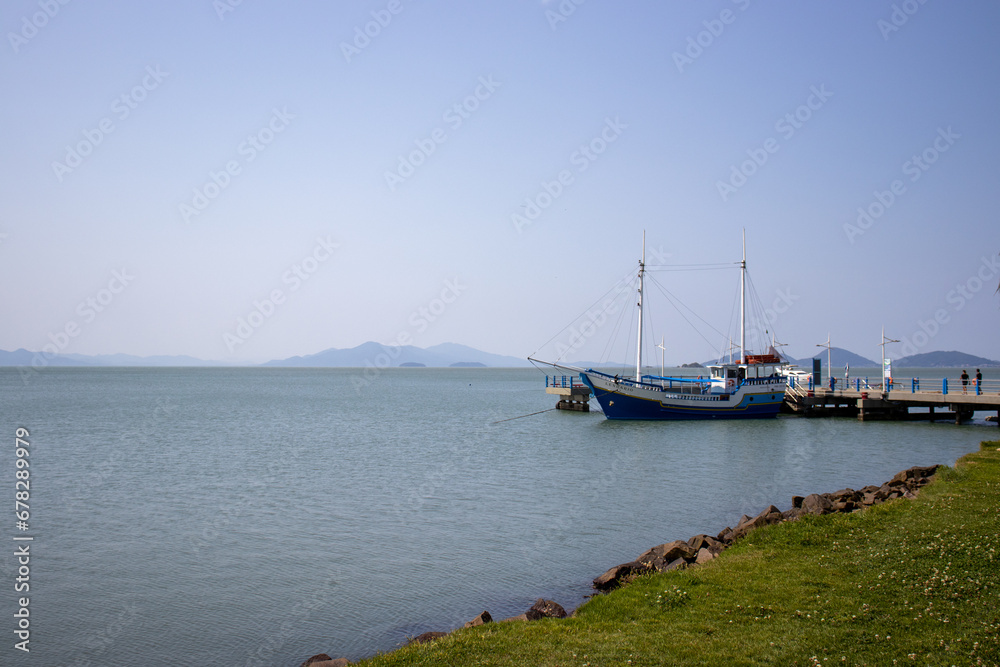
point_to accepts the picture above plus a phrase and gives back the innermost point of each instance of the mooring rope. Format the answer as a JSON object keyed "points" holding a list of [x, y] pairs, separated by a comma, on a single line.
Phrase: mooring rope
{"points": [[523, 416]]}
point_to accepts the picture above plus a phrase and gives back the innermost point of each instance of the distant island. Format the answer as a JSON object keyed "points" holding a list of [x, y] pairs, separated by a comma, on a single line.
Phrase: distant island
{"points": [[945, 360]]}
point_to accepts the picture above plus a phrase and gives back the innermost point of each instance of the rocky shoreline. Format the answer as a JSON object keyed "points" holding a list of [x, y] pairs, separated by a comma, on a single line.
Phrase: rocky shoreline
{"points": [[703, 548]]}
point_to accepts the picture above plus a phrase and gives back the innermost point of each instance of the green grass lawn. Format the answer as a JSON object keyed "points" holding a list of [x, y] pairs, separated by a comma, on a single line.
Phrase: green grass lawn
{"points": [[909, 582]]}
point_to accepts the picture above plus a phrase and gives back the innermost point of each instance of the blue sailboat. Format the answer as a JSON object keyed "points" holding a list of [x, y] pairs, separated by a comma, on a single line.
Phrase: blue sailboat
{"points": [[746, 388]]}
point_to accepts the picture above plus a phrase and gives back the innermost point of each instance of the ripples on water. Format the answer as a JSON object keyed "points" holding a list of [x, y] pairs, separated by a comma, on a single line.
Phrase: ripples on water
{"points": [[259, 516]]}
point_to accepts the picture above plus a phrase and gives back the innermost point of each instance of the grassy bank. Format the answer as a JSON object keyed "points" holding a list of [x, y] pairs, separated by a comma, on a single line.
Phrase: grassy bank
{"points": [[910, 582]]}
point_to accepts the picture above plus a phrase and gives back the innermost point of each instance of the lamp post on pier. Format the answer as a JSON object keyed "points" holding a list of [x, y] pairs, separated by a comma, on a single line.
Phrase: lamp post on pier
{"points": [[829, 365], [886, 364]]}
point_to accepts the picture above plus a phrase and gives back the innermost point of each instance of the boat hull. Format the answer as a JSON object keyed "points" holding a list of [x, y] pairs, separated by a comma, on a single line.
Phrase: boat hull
{"points": [[627, 399]]}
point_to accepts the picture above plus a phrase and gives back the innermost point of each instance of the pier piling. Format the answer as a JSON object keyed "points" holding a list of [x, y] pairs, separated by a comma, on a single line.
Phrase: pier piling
{"points": [[574, 395]]}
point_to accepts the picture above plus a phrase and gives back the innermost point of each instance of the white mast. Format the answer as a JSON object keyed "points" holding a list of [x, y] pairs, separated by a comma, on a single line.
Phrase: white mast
{"points": [[642, 270], [743, 318]]}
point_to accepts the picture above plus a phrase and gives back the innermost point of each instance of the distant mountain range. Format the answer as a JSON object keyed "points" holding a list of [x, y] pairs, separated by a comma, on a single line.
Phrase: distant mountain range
{"points": [[446, 355], [382, 356], [375, 354], [22, 357], [840, 356]]}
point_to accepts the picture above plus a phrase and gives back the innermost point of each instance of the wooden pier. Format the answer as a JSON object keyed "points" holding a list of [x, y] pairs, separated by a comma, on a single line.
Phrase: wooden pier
{"points": [[574, 395], [912, 400], [875, 402]]}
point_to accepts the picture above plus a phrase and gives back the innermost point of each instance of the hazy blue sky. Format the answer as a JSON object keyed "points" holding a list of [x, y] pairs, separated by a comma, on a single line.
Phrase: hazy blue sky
{"points": [[357, 171]]}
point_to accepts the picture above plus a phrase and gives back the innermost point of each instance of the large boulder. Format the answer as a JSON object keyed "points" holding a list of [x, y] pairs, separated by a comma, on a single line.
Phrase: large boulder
{"points": [[769, 516], [699, 542], [816, 503], [482, 619], [704, 555], [793, 514], [905, 477], [677, 564], [659, 557], [845, 495], [319, 657], [549, 609], [614, 577]]}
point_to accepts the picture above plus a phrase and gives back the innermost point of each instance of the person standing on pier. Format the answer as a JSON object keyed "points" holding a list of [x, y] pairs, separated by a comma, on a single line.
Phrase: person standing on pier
{"points": [[965, 381], [979, 382]]}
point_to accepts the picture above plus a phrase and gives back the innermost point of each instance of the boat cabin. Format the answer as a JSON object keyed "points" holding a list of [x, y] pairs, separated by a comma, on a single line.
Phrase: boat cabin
{"points": [[726, 378]]}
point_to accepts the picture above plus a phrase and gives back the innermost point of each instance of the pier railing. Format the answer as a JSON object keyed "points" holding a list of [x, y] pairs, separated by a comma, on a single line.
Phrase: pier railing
{"points": [[944, 386], [563, 381]]}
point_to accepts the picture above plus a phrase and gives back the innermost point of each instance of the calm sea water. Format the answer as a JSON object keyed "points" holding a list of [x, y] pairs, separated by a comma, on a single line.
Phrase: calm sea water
{"points": [[259, 516]]}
